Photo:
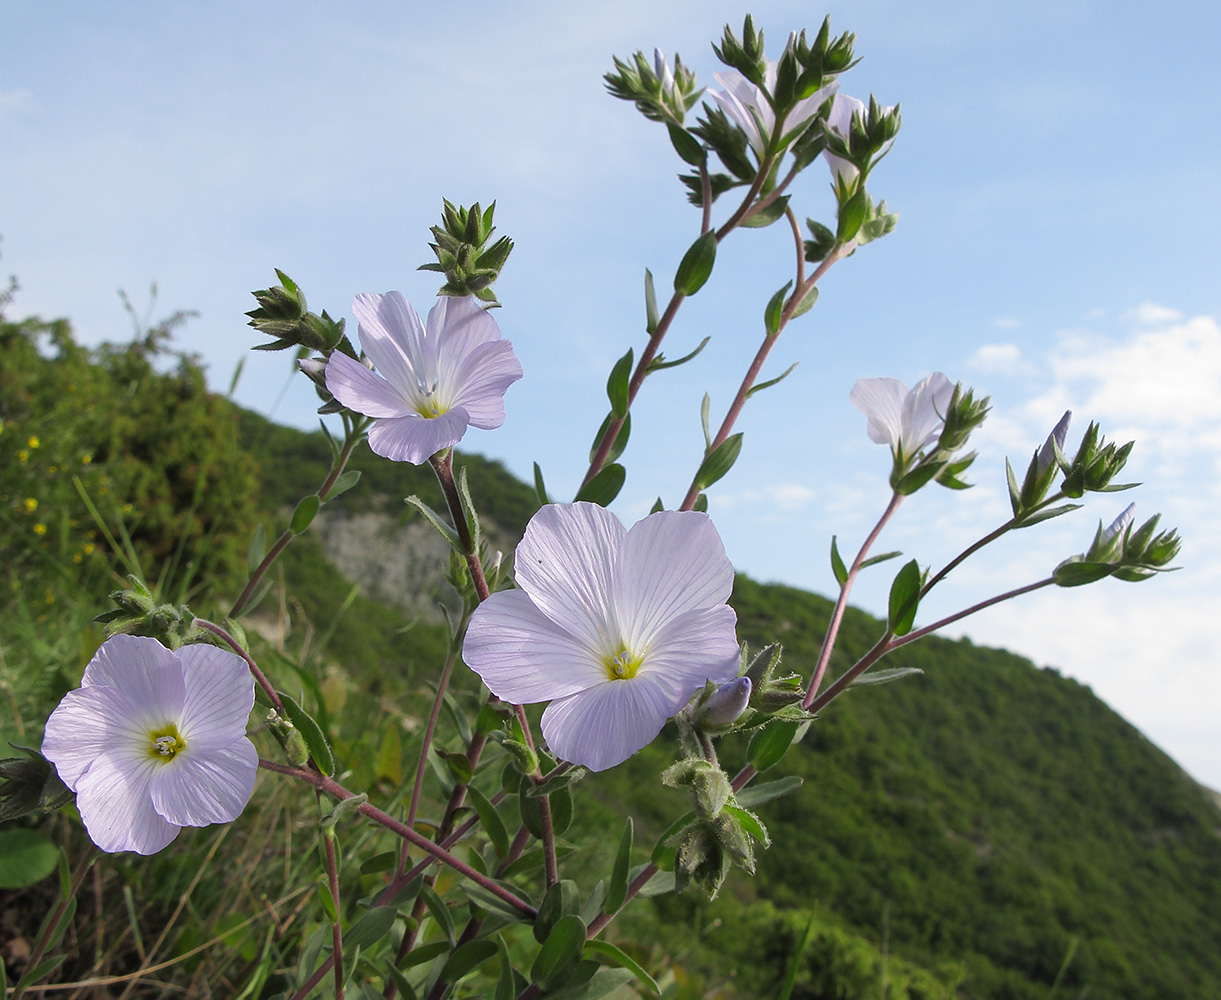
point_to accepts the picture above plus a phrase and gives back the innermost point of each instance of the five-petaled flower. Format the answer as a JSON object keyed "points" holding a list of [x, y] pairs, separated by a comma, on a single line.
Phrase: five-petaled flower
{"points": [[908, 421], [747, 106], [434, 380], [617, 628], [154, 740]]}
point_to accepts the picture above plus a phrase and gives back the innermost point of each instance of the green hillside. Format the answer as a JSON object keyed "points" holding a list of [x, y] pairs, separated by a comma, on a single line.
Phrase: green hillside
{"points": [[984, 830]]}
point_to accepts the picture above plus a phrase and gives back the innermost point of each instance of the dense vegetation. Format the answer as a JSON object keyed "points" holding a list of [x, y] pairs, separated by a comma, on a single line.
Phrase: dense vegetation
{"points": [[984, 830]]}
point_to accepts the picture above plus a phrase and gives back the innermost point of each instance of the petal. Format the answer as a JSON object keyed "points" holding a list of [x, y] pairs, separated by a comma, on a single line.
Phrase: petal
{"points": [[670, 563], [523, 656], [392, 336], [924, 412], [92, 721], [142, 667], [565, 563], [416, 438], [881, 400], [219, 696], [485, 375], [115, 806], [459, 325], [361, 390], [696, 647], [605, 725], [195, 789]]}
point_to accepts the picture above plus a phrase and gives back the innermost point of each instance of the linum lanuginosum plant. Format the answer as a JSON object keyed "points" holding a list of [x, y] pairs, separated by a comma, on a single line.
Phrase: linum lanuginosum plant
{"points": [[618, 629]]}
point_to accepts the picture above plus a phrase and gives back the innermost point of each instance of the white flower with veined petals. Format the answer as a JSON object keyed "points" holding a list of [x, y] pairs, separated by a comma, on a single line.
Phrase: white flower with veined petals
{"points": [[434, 380], [154, 740], [616, 628], [747, 107], [839, 120], [907, 421]]}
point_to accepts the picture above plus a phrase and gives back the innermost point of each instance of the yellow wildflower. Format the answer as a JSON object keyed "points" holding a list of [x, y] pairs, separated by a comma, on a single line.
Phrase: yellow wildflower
{"points": [[33, 442], [23, 456], [40, 529], [31, 505]]}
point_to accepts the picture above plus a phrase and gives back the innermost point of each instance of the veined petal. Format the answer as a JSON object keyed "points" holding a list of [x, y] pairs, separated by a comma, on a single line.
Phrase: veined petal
{"points": [[697, 646], [392, 336], [924, 411], [415, 438], [881, 400], [195, 789], [113, 800], [670, 563], [459, 324], [219, 697], [143, 668], [565, 562], [523, 656], [361, 390], [605, 725], [87, 723], [481, 382]]}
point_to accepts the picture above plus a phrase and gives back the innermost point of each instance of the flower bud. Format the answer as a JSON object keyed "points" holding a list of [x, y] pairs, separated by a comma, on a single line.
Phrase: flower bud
{"points": [[726, 704], [1054, 443]]}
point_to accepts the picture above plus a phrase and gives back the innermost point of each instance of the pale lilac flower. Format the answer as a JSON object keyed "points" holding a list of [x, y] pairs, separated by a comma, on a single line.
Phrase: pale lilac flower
{"points": [[908, 421], [154, 740], [727, 703], [665, 75], [433, 380], [616, 628], [1119, 525], [1056, 439], [839, 120], [745, 105]]}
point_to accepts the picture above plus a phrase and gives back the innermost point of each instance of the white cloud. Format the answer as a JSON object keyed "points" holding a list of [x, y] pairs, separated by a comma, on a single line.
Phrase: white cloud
{"points": [[996, 357], [1151, 314]]}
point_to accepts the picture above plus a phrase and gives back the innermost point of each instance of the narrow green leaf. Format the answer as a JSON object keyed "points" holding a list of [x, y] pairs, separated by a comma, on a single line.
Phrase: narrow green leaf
{"points": [[561, 810], [851, 216], [705, 408], [41, 970], [750, 823], [466, 958], [379, 863], [328, 904], [506, 986], [696, 265], [424, 953], [435, 519], [344, 483], [303, 516], [772, 381], [493, 825], [400, 981], [1048, 513], [616, 891], [562, 899], [617, 384], [651, 315], [605, 486], [622, 959], [881, 558], [494, 904], [468, 509], [1015, 493], [775, 310], [370, 928], [686, 145], [540, 488], [766, 216], [663, 852], [439, 911], [719, 462], [769, 744], [904, 599], [837, 564], [559, 954], [317, 743], [659, 362], [885, 676], [598, 982], [755, 795], [807, 302], [621, 439], [257, 550]]}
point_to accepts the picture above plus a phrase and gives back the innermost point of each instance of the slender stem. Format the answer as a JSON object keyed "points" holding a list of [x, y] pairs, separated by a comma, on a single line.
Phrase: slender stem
{"points": [[332, 874], [443, 466], [550, 868], [837, 615], [40, 946], [468, 934], [801, 247], [259, 676], [920, 633], [308, 986], [638, 883], [355, 431], [706, 192], [337, 791]]}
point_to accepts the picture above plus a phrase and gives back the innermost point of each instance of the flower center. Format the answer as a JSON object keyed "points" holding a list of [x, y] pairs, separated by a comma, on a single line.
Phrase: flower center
{"points": [[428, 407], [623, 665], [165, 743]]}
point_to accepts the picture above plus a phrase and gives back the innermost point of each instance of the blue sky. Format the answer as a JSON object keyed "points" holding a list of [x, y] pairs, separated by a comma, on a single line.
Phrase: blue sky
{"points": [[1056, 179]]}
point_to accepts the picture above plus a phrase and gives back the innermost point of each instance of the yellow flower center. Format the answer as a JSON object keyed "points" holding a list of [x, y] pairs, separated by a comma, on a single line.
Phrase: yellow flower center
{"points": [[165, 743], [623, 665]]}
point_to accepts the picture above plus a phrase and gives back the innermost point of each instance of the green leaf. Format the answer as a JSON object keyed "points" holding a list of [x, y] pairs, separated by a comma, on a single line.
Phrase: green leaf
{"points": [[604, 487], [618, 384], [435, 519], [616, 891], [439, 911], [466, 958], [561, 810], [851, 216], [719, 462], [806, 303], [1048, 513], [303, 516], [659, 362], [506, 986], [766, 216], [885, 676], [559, 954], [370, 928], [540, 488], [400, 981], [257, 550], [775, 310], [327, 901], [686, 145], [663, 854], [622, 959], [344, 483], [837, 564], [1076, 572], [769, 744], [318, 746], [755, 795], [696, 265], [562, 899], [772, 381], [493, 825], [883, 557], [650, 303], [494, 904], [621, 438], [26, 857], [601, 982], [424, 953], [379, 863], [904, 599], [750, 823]]}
